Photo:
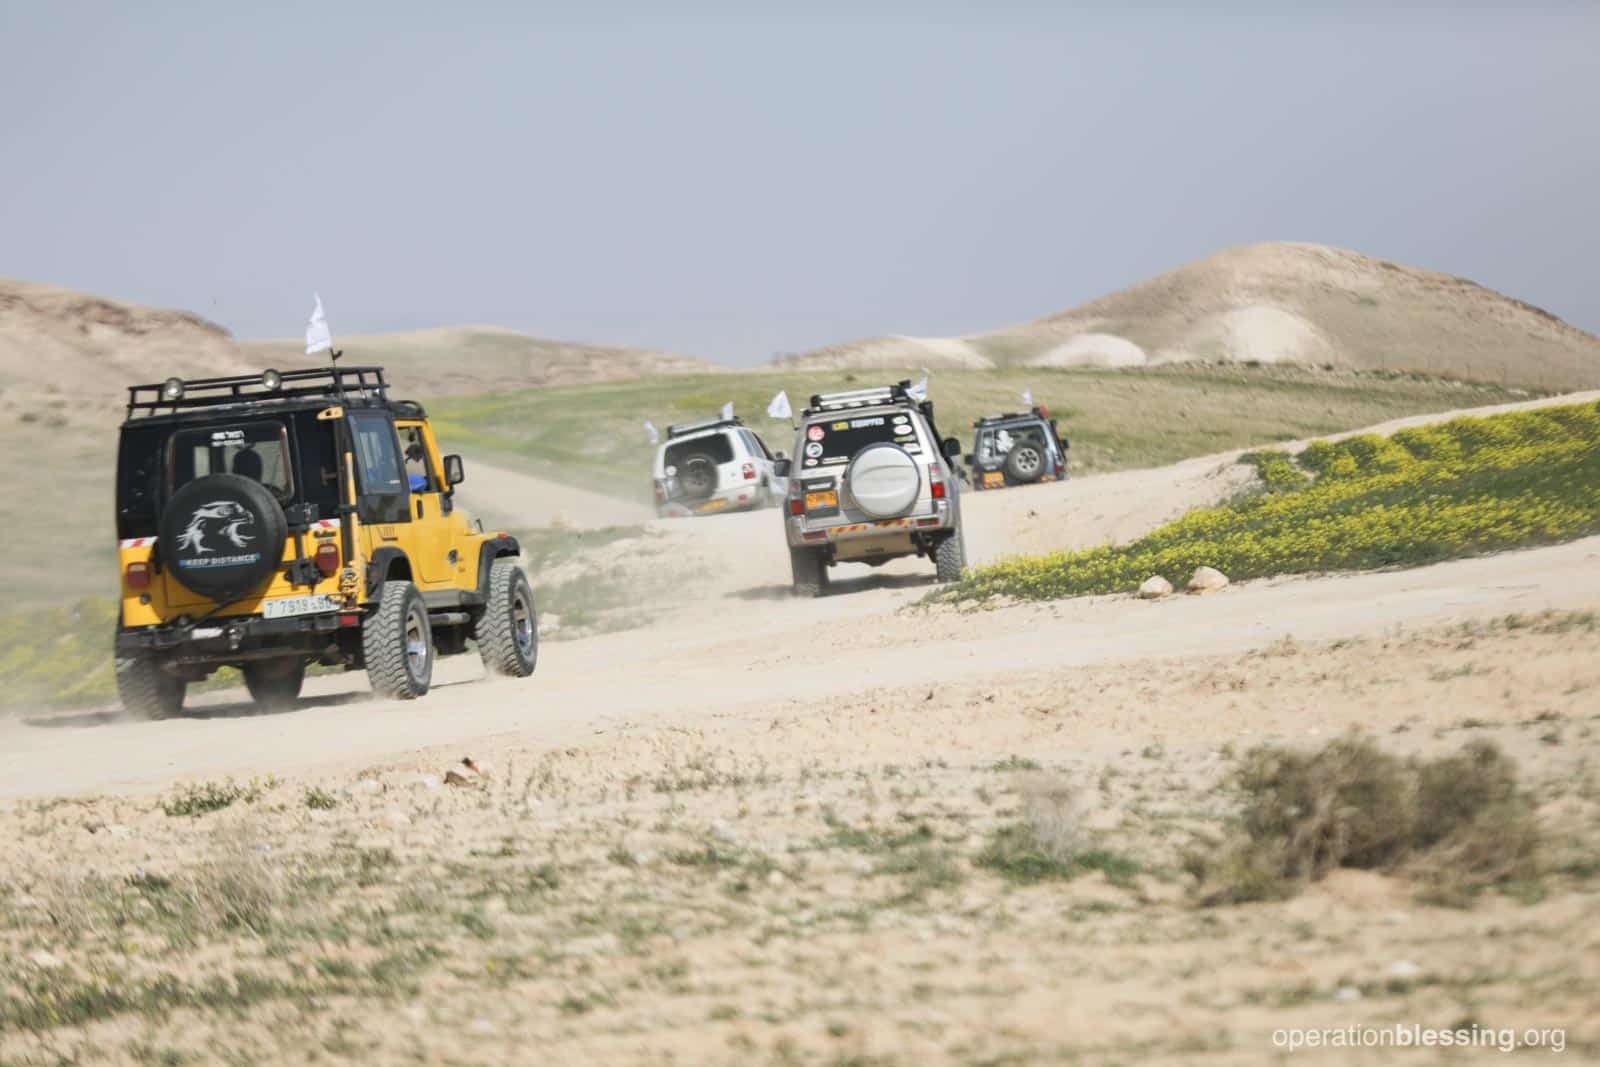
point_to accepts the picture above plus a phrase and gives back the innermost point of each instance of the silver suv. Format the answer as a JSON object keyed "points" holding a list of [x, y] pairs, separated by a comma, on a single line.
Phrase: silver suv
{"points": [[871, 481]]}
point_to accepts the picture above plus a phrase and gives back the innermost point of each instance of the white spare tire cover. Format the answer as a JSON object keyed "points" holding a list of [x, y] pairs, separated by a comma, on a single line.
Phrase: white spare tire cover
{"points": [[883, 479]]}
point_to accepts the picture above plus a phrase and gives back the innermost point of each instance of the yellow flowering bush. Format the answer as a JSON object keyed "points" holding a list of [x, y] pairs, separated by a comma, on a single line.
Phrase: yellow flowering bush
{"points": [[1468, 486]]}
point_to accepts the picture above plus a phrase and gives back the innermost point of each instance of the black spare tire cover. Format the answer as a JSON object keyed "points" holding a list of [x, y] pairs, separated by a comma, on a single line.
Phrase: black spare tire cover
{"points": [[697, 477], [222, 535]]}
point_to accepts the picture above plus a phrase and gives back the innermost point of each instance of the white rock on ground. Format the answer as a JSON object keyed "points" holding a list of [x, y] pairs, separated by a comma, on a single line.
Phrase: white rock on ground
{"points": [[1155, 587], [1207, 580]]}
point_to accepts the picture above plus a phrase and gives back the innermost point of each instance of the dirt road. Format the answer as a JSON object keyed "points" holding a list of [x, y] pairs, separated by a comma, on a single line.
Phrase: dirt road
{"points": [[739, 639], [766, 830]]}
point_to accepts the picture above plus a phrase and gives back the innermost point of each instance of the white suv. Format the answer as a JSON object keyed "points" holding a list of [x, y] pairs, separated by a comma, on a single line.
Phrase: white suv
{"points": [[715, 465], [872, 481]]}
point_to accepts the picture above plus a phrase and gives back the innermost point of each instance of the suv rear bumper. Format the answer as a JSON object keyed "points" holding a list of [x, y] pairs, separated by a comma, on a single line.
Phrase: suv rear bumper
{"points": [[735, 498], [237, 638], [817, 535]]}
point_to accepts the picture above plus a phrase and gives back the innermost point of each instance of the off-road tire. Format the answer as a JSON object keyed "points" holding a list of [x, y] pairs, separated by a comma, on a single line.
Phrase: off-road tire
{"points": [[146, 690], [950, 556], [508, 630], [274, 683], [396, 667], [810, 572], [1025, 462]]}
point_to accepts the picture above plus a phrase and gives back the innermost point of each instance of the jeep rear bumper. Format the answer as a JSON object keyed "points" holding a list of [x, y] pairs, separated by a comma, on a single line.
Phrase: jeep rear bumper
{"points": [[236, 639]]}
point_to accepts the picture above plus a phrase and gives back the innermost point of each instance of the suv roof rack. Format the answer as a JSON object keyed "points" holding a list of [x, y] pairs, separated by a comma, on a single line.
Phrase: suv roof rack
{"points": [[342, 384], [1039, 411], [899, 393], [679, 429]]}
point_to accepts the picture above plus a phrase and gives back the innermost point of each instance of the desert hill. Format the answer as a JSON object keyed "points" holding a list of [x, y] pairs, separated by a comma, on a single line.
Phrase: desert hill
{"points": [[55, 340], [1275, 302], [481, 359]]}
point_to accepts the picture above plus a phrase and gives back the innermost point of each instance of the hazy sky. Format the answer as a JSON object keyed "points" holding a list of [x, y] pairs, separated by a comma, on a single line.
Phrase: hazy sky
{"points": [[731, 185]]}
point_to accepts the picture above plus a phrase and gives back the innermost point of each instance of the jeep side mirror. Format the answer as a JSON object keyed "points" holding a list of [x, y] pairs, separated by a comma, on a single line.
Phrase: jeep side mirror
{"points": [[782, 465], [454, 473], [952, 447], [780, 456]]}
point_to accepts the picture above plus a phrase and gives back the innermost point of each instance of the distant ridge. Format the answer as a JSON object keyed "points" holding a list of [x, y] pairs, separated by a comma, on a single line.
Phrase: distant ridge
{"points": [[54, 339], [1277, 302]]}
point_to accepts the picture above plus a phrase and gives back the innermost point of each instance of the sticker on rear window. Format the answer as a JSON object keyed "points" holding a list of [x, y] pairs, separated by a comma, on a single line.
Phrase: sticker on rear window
{"points": [[815, 433]]}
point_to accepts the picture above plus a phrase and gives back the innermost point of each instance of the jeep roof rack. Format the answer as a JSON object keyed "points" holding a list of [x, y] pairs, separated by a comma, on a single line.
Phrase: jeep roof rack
{"points": [[679, 429], [899, 393], [341, 384]]}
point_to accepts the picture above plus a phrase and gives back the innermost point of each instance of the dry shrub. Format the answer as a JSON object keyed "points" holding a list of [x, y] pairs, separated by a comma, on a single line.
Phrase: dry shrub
{"points": [[1050, 811], [1458, 822]]}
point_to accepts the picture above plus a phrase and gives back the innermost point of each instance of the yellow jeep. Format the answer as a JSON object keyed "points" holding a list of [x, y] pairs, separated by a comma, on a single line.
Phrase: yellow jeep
{"points": [[271, 521]]}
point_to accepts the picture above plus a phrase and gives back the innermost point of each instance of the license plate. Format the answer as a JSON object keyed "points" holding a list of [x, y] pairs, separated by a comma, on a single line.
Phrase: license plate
{"points": [[826, 499], [285, 607], [993, 479], [712, 505]]}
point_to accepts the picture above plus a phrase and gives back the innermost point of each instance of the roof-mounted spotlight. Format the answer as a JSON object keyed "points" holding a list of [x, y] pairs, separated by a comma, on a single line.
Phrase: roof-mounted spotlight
{"points": [[271, 380], [172, 390]]}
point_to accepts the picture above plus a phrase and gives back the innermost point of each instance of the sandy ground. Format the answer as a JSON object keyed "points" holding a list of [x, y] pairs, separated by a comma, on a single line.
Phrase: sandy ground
{"points": [[751, 830]]}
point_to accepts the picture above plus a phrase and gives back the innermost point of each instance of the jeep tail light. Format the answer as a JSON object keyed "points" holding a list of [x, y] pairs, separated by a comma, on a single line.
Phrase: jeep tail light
{"points": [[749, 472], [328, 558], [661, 490], [935, 482], [137, 576], [797, 500]]}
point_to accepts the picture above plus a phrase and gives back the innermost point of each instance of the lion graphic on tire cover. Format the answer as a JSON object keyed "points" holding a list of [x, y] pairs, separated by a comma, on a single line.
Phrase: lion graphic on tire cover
{"points": [[233, 517]]}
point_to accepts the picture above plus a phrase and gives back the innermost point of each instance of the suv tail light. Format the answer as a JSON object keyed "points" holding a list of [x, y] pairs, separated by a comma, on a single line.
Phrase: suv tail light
{"points": [[797, 500], [328, 558], [935, 481], [661, 490], [137, 576], [749, 470]]}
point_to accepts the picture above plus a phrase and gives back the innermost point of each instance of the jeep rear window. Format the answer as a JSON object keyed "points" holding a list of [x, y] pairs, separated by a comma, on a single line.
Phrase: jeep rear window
{"points": [[716, 445], [829, 442], [258, 450]]}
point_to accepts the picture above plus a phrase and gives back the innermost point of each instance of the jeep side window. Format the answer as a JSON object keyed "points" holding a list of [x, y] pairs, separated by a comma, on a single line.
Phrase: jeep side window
{"points": [[418, 477], [758, 447], [384, 497]]}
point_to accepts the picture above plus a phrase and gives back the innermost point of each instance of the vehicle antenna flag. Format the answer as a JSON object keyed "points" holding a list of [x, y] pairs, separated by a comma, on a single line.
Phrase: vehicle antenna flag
{"points": [[779, 408], [1027, 398], [920, 390], [651, 432], [727, 410], [319, 338]]}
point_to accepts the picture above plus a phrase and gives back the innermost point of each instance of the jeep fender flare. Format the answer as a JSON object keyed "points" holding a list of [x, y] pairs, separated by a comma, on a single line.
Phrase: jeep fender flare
{"points": [[386, 563], [488, 552]]}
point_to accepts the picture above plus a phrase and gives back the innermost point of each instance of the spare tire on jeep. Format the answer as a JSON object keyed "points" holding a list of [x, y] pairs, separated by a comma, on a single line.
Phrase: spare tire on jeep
{"points": [[222, 535]]}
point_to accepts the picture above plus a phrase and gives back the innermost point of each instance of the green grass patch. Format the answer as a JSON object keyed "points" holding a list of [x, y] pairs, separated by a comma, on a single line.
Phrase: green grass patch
{"points": [[592, 436], [1458, 488], [1019, 853]]}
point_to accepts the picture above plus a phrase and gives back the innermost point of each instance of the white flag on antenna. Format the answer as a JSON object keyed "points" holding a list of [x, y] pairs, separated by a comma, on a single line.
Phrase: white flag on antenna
{"points": [[920, 390], [318, 337], [1027, 398], [651, 432], [779, 408], [727, 410]]}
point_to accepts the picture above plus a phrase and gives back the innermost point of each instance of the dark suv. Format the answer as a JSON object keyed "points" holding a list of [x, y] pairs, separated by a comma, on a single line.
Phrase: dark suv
{"points": [[1018, 448]]}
